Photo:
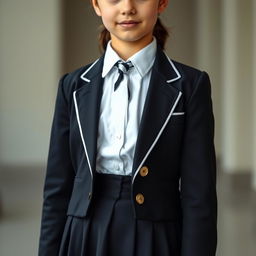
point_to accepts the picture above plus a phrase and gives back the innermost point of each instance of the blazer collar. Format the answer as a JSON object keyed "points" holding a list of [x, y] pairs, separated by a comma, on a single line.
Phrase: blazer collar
{"points": [[163, 64], [94, 70]]}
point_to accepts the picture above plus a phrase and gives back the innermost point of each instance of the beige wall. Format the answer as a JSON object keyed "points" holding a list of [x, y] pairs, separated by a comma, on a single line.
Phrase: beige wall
{"points": [[79, 34], [180, 18], [254, 94], [29, 69]]}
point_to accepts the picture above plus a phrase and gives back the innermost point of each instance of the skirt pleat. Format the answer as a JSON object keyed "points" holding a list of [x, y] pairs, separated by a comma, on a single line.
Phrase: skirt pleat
{"points": [[111, 229]]}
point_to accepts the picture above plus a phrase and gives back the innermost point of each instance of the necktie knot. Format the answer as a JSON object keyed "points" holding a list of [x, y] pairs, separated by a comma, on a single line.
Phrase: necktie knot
{"points": [[123, 67]]}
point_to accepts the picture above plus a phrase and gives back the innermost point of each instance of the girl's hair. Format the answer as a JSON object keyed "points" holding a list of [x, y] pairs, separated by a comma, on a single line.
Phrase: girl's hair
{"points": [[160, 32]]}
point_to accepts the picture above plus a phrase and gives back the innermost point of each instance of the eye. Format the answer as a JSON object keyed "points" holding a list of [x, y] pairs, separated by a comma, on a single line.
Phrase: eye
{"points": [[113, 1]]}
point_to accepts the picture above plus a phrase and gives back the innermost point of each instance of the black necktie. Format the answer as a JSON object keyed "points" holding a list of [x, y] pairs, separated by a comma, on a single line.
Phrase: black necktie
{"points": [[123, 67]]}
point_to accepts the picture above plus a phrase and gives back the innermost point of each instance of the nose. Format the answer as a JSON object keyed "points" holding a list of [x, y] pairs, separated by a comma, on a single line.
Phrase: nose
{"points": [[128, 7]]}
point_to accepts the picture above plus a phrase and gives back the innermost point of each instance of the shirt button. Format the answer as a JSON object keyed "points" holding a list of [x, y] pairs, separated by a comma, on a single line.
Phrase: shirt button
{"points": [[144, 171], [119, 137], [140, 198], [89, 195]]}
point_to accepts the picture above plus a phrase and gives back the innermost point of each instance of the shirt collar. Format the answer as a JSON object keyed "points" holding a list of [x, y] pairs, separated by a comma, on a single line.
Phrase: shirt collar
{"points": [[111, 57], [142, 60]]}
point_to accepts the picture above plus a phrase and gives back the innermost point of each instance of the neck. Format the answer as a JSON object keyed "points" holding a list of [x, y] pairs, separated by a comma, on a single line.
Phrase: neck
{"points": [[127, 49]]}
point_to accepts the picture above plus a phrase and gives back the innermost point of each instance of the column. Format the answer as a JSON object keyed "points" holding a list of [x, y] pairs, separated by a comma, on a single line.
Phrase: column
{"points": [[208, 31], [236, 86]]}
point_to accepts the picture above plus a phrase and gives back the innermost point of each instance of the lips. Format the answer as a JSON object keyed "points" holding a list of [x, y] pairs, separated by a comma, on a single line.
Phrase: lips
{"points": [[128, 23]]}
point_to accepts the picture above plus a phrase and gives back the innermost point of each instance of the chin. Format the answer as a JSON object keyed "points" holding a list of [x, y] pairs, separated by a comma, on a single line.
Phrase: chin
{"points": [[132, 39]]}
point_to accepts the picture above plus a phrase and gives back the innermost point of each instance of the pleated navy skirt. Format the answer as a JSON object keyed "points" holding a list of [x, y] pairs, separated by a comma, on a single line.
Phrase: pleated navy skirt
{"points": [[111, 228]]}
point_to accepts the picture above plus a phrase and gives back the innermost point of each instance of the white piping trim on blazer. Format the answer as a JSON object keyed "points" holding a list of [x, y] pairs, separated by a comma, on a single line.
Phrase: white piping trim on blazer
{"points": [[175, 69], [86, 71], [157, 137], [178, 113], [81, 132]]}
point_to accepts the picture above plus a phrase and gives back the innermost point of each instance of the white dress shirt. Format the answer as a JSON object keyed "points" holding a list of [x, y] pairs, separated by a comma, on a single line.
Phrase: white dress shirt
{"points": [[119, 117]]}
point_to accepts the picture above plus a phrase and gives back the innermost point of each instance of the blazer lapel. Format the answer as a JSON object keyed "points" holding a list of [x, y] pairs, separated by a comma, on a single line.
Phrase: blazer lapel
{"points": [[162, 97], [87, 103]]}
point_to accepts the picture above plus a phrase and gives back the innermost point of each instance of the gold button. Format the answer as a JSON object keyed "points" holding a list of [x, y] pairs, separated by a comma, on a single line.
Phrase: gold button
{"points": [[90, 195], [139, 198], [144, 171]]}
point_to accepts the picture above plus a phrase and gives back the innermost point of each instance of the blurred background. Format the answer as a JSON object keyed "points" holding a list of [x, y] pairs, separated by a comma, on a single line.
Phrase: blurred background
{"points": [[41, 40]]}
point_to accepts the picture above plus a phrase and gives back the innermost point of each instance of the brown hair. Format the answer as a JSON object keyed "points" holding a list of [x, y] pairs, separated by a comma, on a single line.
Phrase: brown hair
{"points": [[160, 32]]}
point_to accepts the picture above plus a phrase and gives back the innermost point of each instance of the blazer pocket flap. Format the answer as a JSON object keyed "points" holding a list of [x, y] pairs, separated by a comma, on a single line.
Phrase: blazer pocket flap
{"points": [[178, 113], [177, 118]]}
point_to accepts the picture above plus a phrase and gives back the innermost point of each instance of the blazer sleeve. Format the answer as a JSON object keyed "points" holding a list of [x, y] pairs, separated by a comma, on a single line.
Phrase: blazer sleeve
{"points": [[198, 174], [58, 181]]}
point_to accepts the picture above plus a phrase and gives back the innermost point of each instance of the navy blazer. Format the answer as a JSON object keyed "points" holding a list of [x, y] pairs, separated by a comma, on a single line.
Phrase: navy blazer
{"points": [[175, 143]]}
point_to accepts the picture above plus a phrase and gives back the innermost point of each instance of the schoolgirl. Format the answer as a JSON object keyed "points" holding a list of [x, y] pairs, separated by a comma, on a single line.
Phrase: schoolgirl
{"points": [[131, 166]]}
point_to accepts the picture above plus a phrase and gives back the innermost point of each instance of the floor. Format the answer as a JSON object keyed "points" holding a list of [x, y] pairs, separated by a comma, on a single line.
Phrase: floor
{"points": [[21, 197]]}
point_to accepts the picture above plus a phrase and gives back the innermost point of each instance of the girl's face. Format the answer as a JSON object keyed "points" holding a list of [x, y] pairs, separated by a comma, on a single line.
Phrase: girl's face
{"points": [[129, 21]]}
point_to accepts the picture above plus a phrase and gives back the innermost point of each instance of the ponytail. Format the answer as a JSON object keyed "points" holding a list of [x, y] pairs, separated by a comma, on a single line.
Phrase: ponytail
{"points": [[104, 37], [160, 33]]}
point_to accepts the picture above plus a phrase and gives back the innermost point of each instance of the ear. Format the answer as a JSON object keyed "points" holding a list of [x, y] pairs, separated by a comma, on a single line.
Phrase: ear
{"points": [[162, 5], [96, 7]]}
